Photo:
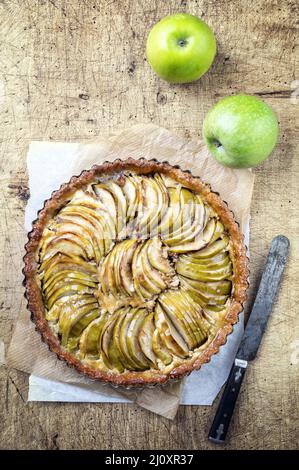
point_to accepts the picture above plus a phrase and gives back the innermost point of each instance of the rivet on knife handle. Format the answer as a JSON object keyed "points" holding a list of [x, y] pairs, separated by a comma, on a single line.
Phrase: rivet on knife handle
{"points": [[253, 333]]}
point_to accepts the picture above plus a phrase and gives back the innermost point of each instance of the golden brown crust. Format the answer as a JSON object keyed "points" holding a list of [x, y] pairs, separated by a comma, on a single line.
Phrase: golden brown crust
{"points": [[33, 291]]}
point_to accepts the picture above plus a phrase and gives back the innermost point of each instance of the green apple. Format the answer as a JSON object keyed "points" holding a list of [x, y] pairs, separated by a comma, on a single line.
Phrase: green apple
{"points": [[241, 131], [181, 48]]}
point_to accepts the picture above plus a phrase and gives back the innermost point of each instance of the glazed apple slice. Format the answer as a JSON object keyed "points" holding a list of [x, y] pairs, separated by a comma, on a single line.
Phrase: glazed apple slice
{"points": [[119, 211], [171, 215], [125, 267], [212, 249], [179, 320], [203, 298], [132, 339], [94, 206], [64, 228], [190, 265], [157, 255], [151, 273], [67, 291], [163, 204], [201, 240], [133, 361], [86, 231], [116, 339], [140, 271], [189, 314], [68, 281], [138, 277], [99, 218], [75, 214], [192, 271], [67, 274], [152, 205], [219, 230], [67, 245], [79, 327], [133, 195], [146, 338], [68, 320], [171, 338], [67, 303], [90, 337], [213, 261], [107, 278], [191, 227], [60, 262], [107, 346], [160, 349]]}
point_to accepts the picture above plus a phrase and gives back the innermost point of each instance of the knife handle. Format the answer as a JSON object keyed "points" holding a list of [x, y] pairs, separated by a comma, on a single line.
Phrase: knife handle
{"points": [[227, 403]]}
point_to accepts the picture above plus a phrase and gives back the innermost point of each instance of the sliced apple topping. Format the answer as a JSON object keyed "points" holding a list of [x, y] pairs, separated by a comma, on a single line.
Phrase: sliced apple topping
{"points": [[136, 273], [113, 199]]}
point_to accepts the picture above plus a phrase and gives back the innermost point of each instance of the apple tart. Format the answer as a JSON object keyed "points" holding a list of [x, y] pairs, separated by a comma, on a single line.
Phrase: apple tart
{"points": [[135, 272]]}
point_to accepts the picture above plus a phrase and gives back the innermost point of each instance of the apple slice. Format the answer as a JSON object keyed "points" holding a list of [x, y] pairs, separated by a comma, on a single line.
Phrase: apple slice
{"points": [[146, 338], [107, 278], [193, 271], [68, 320], [125, 267], [75, 214], [180, 320], [133, 361], [188, 264], [101, 219], [212, 249], [107, 346], [86, 231], [66, 245], [49, 292], [151, 273], [203, 298], [152, 205], [69, 275], [213, 261], [90, 337], [66, 291], [79, 327], [157, 255], [174, 343], [132, 339], [201, 240], [116, 339], [133, 195], [160, 350], [95, 208], [219, 230], [64, 228], [138, 277], [191, 227], [61, 262], [171, 214], [190, 314], [119, 211]]}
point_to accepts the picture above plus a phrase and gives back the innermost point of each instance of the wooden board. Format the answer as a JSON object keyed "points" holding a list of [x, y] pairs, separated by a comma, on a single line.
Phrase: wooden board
{"points": [[72, 70]]}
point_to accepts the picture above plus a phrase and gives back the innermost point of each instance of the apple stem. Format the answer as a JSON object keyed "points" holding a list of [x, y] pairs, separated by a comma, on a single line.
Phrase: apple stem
{"points": [[217, 143], [182, 42]]}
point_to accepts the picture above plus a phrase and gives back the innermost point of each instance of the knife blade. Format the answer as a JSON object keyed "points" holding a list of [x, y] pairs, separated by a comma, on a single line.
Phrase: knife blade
{"points": [[255, 328]]}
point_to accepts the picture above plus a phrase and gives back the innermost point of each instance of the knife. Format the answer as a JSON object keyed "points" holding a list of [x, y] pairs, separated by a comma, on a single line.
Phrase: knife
{"points": [[255, 328]]}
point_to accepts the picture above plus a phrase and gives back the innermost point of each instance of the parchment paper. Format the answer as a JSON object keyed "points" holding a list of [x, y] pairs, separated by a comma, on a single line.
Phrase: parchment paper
{"points": [[52, 163]]}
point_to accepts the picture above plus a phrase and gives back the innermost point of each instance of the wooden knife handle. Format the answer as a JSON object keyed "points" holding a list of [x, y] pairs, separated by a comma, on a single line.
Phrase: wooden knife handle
{"points": [[227, 403]]}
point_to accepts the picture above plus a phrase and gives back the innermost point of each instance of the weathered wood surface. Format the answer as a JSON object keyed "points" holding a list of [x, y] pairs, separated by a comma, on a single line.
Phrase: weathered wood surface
{"points": [[71, 70]]}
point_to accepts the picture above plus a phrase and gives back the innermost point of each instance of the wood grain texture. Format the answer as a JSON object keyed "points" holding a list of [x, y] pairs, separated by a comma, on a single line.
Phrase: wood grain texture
{"points": [[71, 70]]}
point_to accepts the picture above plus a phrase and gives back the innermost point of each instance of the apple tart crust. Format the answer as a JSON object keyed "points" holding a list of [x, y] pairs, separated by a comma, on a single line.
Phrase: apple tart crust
{"points": [[135, 272]]}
